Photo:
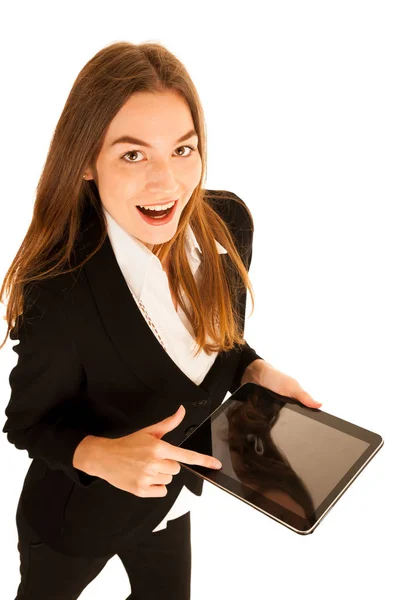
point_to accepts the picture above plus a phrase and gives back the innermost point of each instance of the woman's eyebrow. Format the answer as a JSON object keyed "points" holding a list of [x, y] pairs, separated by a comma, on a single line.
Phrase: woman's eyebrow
{"points": [[127, 139]]}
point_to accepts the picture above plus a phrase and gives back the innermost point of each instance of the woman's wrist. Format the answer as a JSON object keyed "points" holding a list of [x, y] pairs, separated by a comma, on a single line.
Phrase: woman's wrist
{"points": [[86, 454]]}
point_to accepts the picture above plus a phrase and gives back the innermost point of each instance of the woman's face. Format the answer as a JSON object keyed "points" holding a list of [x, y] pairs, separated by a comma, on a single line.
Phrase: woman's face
{"points": [[132, 173]]}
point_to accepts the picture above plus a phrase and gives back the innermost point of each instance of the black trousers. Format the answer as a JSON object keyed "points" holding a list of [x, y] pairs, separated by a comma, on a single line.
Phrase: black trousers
{"points": [[158, 566]]}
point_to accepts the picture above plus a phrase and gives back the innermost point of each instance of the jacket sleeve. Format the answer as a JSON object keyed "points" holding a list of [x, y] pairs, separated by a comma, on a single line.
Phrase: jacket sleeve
{"points": [[247, 355], [244, 231], [46, 412]]}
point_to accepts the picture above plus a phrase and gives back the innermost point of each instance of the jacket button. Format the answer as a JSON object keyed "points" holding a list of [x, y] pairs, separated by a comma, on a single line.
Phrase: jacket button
{"points": [[190, 430], [200, 402]]}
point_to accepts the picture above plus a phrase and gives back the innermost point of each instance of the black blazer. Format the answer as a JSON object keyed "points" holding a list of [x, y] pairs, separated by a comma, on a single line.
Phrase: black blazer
{"points": [[88, 363]]}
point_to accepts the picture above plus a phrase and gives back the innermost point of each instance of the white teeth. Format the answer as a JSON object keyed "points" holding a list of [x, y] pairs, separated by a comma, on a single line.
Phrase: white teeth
{"points": [[158, 206]]}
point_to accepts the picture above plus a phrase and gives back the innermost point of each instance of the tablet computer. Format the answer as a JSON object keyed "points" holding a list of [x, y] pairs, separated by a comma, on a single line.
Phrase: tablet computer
{"points": [[287, 460]]}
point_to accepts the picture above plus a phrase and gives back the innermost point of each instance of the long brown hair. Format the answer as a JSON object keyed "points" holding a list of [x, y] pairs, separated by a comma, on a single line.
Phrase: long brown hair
{"points": [[102, 87]]}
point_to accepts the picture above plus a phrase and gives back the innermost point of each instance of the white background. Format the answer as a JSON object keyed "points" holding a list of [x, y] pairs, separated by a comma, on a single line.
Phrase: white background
{"points": [[302, 109]]}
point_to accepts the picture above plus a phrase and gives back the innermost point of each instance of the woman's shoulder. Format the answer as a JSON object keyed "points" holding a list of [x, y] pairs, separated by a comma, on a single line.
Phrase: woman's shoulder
{"points": [[51, 290], [231, 208]]}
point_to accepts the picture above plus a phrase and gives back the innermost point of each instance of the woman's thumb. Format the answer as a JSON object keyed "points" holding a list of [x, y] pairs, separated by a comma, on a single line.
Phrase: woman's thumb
{"points": [[162, 427]]}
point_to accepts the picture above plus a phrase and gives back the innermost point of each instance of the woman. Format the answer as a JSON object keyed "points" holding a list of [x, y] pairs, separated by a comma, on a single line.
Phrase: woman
{"points": [[123, 315]]}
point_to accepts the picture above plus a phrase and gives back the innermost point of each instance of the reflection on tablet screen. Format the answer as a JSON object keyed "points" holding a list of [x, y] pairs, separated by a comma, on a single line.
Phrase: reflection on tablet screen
{"points": [[290, 459]]}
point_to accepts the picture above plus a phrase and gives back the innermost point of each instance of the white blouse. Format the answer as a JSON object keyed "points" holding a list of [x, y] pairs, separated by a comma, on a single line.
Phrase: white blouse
{"points": [[148, 283]]}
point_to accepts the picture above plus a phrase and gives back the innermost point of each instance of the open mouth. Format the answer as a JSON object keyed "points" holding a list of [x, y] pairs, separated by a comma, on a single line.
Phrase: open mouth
{"points": [[157, 217]]}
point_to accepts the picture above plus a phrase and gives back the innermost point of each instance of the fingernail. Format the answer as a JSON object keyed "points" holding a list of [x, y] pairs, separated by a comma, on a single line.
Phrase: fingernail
{"points": [[217, 464]]}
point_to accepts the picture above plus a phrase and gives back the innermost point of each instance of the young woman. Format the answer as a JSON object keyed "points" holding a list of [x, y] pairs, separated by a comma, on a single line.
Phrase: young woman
{"points": [[128, 298]]}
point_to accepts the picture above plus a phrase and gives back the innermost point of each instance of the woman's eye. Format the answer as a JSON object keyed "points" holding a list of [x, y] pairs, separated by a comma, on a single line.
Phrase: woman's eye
{"points": [[138, 152]]}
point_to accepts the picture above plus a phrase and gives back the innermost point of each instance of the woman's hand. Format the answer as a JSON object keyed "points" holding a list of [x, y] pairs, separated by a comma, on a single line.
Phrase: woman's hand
{"points": [[142, 463], [266, 375]]}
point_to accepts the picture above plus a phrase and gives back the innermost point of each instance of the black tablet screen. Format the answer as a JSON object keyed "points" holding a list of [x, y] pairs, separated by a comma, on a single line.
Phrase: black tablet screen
{"points": [[279, 454]]}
